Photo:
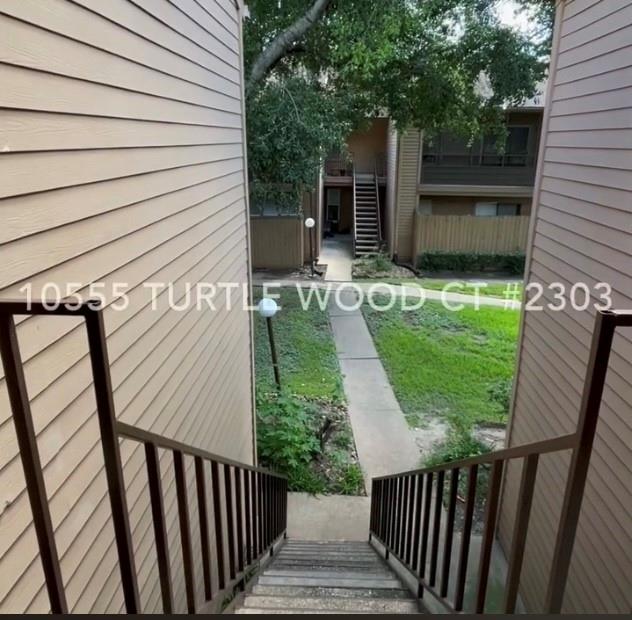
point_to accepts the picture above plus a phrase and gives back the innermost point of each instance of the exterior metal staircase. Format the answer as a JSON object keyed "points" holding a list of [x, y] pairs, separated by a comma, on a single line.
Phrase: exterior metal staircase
{"points": [[328, 577], [366, 214]]}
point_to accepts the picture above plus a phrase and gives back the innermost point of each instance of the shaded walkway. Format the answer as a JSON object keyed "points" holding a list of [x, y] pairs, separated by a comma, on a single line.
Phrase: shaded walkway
{"points": [[337, 253]]}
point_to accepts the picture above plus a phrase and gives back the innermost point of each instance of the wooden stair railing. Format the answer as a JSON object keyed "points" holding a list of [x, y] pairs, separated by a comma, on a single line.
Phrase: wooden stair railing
{"points": [[249, 503], [407, 508]]}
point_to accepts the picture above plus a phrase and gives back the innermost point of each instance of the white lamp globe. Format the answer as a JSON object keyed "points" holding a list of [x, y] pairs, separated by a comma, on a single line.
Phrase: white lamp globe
{"points": [[267, 307], [309, 222]]}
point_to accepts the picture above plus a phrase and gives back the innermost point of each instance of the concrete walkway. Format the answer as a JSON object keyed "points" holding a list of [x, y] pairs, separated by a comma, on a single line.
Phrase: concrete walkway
{"points": [[337, 253], [383, 438], [411, 292], [327, 517]]}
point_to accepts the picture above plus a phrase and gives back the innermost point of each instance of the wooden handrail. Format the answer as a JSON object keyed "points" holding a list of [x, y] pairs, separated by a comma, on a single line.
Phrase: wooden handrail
{"points": [[401, 504]]}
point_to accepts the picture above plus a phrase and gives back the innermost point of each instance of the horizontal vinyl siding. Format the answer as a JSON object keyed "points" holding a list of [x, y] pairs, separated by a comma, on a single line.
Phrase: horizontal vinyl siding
{"points": [[121, 154], [406, 199], [583, 233]]}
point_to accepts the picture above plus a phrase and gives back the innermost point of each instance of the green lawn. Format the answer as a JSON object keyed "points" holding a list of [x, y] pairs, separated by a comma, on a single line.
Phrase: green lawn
{"points": [[494, 288], [304, 432], [455, 365], [305, 346]]}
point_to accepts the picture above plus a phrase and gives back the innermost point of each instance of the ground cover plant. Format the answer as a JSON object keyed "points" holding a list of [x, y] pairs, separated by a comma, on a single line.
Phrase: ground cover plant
{"points": [[303, 431]]}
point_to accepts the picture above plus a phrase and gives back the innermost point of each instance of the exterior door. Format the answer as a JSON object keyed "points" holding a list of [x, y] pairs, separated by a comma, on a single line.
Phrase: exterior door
{"points": [[332, 210]]}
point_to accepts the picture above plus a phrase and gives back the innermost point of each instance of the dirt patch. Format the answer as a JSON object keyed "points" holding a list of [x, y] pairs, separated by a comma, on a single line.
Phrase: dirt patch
{"points": [[433, 432], [493, 436], [379, 267], [303, 273]]}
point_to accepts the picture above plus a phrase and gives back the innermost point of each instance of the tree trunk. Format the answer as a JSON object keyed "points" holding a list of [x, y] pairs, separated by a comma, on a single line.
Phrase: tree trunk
{"points": [[285, 41]]}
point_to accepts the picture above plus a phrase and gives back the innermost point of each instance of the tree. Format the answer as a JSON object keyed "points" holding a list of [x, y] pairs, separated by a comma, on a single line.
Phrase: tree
{"points": [[316, 69]]}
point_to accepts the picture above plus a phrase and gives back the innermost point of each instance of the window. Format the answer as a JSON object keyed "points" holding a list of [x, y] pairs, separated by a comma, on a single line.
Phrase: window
{"points": [[494, 209], [333, 205], [508, 208], [517, 146], [450, 150], [486, 209]]}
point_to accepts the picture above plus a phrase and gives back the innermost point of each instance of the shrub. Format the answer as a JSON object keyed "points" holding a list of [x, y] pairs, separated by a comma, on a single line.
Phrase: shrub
{"points": [[287, 438], [459, 445], [500, 392], [372, 266], [471, 262]]}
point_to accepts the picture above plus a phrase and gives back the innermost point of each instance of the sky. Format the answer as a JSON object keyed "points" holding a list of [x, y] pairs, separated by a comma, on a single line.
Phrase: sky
{"points": [[507, 13]]}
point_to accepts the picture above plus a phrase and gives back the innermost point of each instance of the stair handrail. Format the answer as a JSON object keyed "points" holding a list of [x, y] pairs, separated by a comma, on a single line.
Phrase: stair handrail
{"points": [[401, 504], [377, 204], [249, 503], [355, 227]]}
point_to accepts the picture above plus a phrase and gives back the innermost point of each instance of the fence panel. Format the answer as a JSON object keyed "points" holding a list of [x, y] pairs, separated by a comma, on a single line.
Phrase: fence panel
{"points": [[467, 233], [277, 241]]}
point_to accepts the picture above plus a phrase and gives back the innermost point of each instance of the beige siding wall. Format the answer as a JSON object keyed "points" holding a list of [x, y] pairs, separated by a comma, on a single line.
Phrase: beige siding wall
{"points": [[122, 161], [369, 145], [406, 197], [582, 233]]}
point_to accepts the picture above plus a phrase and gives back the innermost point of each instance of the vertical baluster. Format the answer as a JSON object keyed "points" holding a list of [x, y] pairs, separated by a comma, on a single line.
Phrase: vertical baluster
{"points": [[200, 482], [434, 551], [465, 538], [160, 528], [185, 532], [383, 512], [398, 513], [277, 508], [491, 513], [31, 464], [395, 484], [248, 515], [404, 530], [240, 520], [102, 384], [262, 542], [372, 508], [270, 510], [449, 535], [411, 520], [285, 505], [419, 483], [426, 527], [217, 521], [377, 518], [389, 511], [521, 527], [230, 524], [395, 488], [265, 510]]}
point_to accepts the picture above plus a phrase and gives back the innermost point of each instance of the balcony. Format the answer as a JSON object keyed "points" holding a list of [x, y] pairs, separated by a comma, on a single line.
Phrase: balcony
{"points": [[339, 168], [478, 169]]}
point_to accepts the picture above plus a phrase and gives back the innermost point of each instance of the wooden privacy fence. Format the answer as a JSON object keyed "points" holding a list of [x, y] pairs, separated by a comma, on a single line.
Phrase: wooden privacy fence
{"points": [[277, 241], [468, 233]]}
